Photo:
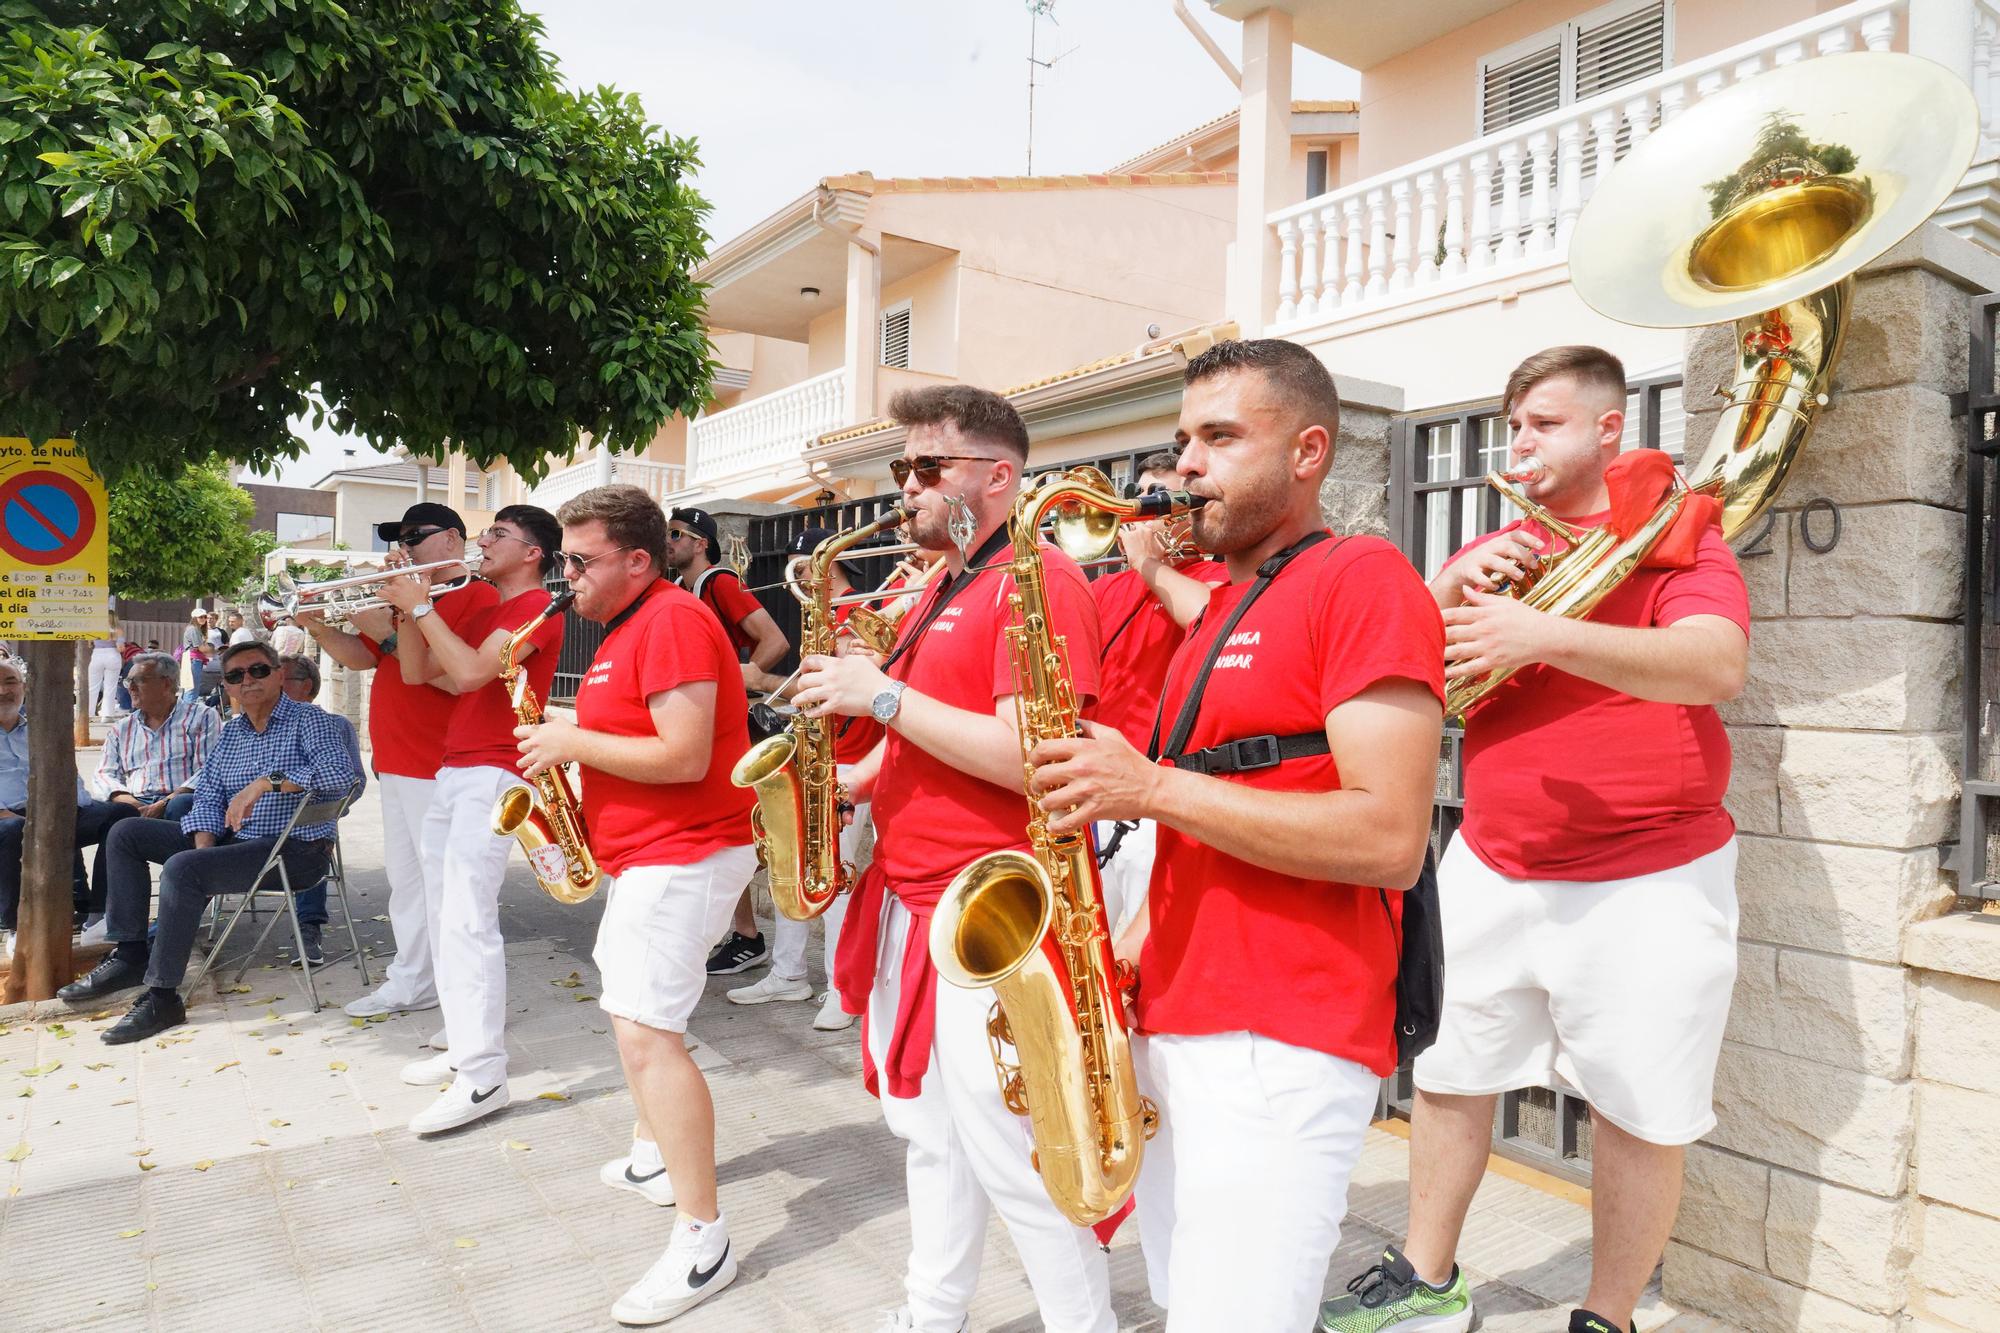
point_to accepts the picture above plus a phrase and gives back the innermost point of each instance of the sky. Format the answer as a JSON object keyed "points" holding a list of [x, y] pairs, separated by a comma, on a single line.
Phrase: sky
{"points": [[779, 93]]}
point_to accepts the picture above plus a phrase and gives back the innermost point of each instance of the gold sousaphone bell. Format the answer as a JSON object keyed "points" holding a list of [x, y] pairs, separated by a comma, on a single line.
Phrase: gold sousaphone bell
{"points": [[1757, 205]]}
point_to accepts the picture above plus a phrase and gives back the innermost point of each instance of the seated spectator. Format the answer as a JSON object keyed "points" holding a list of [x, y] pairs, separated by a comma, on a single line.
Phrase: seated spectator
{"points": [[273, 755], [288, 639], [301, 682], [93, 818]]}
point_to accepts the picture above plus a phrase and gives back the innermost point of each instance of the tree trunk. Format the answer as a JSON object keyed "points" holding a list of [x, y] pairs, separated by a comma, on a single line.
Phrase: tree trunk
{"points": [[80, 715], [41, 946]]}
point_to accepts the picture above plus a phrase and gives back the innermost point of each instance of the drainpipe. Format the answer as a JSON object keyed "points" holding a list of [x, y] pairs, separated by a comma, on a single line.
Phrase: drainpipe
{"points": [[1215, 53], [861, 338]]}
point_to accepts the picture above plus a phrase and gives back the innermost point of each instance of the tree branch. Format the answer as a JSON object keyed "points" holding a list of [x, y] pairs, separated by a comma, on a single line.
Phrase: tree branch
{"points": [[254, 373]]}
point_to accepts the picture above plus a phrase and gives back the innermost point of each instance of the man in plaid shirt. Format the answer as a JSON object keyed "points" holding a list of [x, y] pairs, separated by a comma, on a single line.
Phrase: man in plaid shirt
{"points": [[274, 754]]}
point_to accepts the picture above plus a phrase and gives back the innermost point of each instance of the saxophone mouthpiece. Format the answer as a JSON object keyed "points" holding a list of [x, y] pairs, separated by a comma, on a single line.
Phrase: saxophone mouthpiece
{"points": [[561, 602], [1162, 503], [1531, 469]]}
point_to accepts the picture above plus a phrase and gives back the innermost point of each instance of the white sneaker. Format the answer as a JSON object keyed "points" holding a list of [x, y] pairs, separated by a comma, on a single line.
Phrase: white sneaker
{"points": [[461, 1104], [6, 946], [652, 1186], [771, 987], [370, 1005], [900, 1320], [437, 1041], [430, 1070], [679, 1280], [831, 1017], [97, 932]]}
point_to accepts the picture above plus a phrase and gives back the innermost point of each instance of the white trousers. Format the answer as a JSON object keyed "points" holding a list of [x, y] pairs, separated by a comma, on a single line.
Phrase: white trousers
{"points": [[1244, 1186], [103, 684], [464, 861], [966, 1150], [405, 802], [1126, 876], [789, 938]]}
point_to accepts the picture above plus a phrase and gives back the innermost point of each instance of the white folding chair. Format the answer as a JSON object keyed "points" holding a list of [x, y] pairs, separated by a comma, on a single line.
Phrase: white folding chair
{"points": [[321, 810]]}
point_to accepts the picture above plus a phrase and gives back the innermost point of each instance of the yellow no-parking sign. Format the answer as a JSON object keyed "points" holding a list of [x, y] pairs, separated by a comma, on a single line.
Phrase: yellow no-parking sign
{"points": [[54, 577]]}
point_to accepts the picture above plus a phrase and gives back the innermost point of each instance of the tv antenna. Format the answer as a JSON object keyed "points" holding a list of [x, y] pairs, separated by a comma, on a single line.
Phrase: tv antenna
{"points": [[1037, 10]]}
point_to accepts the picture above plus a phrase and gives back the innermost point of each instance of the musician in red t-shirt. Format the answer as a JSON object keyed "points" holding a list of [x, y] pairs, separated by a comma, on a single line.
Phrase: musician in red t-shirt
{"points": [[660, 721], [692, 551], [406, 723], [464, 860], [1268, 953], [1589, 901], [854, 737], [1143, 611], [946, 785]]}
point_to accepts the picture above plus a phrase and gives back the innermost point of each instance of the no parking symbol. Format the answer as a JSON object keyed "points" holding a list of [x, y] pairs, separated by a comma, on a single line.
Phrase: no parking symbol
{"points": [[53, 549]]}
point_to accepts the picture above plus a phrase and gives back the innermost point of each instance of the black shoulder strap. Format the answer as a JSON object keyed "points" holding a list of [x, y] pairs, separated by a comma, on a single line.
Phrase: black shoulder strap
{"points": [[1262, 751]]}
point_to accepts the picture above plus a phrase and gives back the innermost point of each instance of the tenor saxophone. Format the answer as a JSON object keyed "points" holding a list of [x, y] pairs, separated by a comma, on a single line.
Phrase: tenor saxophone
{"points": [[1071, 1073], [545, 817], [796, 822]]}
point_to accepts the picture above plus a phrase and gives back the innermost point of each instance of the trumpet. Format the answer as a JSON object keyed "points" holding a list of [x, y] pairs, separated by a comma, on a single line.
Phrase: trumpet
{"points": [[340, 598]]}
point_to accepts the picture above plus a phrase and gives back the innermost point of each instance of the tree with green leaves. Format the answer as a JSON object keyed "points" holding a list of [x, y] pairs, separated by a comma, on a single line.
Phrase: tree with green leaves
{"points": [[187, 535], [219, 216]]}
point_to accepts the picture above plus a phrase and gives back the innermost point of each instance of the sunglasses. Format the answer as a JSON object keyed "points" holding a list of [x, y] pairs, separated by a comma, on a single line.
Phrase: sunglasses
{"points": [[415, 536], [573, 565], [929, 467], [254, 672]]}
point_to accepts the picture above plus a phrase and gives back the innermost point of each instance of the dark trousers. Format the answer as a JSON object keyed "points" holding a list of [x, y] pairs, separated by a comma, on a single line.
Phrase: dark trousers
{"points": [[93, 822], [189, 877]]}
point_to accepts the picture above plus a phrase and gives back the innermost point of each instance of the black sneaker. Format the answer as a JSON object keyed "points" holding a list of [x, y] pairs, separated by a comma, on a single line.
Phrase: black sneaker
{"points": [[310, 932], [109, 977], [1583, 1321], [738, 953], [156, 1011]]}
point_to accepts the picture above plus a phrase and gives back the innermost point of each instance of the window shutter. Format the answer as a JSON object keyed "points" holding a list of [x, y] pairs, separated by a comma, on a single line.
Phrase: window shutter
{"points": [[1621, 50], [896, 337], [1521, 89]]}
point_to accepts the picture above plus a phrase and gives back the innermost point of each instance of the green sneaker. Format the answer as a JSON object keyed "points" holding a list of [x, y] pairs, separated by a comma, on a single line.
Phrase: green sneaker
{"points": [[1391, 1298]]}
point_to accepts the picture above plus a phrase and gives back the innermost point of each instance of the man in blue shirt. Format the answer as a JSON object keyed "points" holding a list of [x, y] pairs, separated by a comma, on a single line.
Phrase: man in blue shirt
{"points": [[274, 754], [93, 818]]}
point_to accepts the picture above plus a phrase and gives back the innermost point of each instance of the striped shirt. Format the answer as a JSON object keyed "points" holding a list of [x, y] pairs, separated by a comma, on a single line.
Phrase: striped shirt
{"points": [[301, 741], [157, 761]]}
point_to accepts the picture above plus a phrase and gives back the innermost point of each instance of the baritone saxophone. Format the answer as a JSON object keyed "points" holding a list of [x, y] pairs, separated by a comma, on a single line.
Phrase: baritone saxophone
{"points": [[543, 814], [1071, 1072]]}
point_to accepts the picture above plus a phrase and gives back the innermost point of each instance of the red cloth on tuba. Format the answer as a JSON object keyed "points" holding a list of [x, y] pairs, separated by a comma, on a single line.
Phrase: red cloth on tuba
{"points": [[1639, 481]]}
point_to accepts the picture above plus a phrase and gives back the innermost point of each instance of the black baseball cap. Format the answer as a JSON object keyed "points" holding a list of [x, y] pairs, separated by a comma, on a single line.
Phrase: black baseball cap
{"points": [[703, 522], [420, 516]]}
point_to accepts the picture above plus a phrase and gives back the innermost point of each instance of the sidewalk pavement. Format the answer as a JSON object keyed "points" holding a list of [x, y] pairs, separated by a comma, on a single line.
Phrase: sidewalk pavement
{"points": [[253, 1169]]}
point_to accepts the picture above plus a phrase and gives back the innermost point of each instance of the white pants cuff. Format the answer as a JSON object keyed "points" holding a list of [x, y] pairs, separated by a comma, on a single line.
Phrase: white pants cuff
{"points": [[464, 863]]}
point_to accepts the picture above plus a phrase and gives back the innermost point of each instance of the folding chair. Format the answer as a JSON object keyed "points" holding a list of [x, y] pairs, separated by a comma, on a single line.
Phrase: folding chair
{"points": [[321, 810]]}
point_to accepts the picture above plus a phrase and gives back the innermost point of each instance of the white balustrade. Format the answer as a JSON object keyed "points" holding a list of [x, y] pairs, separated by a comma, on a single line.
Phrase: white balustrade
{"points": [[565, 484], [655, 479], [770, 431], [1510, 200], [1986, 73]]}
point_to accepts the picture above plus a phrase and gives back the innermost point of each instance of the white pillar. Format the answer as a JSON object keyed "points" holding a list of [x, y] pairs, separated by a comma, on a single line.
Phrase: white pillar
{"points": [[863, 328], [1263, 164], [1941, 30]]}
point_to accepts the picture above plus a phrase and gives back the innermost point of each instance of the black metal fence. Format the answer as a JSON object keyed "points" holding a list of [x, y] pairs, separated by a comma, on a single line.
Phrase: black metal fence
{"points": [[1978, 846]]}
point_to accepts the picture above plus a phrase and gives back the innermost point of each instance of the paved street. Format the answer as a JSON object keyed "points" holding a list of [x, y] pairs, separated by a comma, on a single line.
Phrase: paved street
{"points": [[252, 1169]]}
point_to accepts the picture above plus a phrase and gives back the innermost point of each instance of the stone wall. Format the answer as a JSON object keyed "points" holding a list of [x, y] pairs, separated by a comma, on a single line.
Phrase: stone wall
{"points": [[1804, 1208], [1355, 495]]}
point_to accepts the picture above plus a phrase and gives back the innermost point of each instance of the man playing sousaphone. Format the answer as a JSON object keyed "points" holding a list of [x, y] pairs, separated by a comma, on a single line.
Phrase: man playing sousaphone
{"points": [[1589, 901]]}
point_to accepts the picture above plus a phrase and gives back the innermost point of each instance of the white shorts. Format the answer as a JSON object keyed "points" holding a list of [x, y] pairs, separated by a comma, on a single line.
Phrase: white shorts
{"points": [[659, 924], [1620, 988]]}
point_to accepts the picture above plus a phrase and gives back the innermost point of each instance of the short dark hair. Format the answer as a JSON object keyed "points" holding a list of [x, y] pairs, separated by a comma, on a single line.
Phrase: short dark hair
{"points": [[542, 530], [293, 663], [1591, 367], [249, 646], [1299, 376], [629, 515], [1160, 460], [979, 414]]}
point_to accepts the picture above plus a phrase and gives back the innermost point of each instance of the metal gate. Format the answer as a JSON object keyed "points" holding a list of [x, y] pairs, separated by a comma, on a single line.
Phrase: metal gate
{"points": [[1978, 846]]}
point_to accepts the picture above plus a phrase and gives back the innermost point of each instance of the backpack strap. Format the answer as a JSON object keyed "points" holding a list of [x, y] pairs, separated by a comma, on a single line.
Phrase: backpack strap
{"points": [[1264, 751]]}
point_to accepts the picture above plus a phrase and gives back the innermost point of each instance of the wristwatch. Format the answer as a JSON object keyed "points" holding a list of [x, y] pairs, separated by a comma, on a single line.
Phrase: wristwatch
{"points": [[883, 707], [276, 779], [422, 609]]}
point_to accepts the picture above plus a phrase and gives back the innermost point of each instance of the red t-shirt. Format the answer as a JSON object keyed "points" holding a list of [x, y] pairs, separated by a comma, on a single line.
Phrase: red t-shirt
{"points": [[406, 722], [853, 737], [1567, 779], [933, 818], [1139, 640], [723, 593], [668, 640], [1237, 947], [481, 731]]}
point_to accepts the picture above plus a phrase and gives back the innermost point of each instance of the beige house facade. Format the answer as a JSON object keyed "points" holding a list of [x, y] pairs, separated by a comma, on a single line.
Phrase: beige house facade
{"points": [[1851, 1183]]}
